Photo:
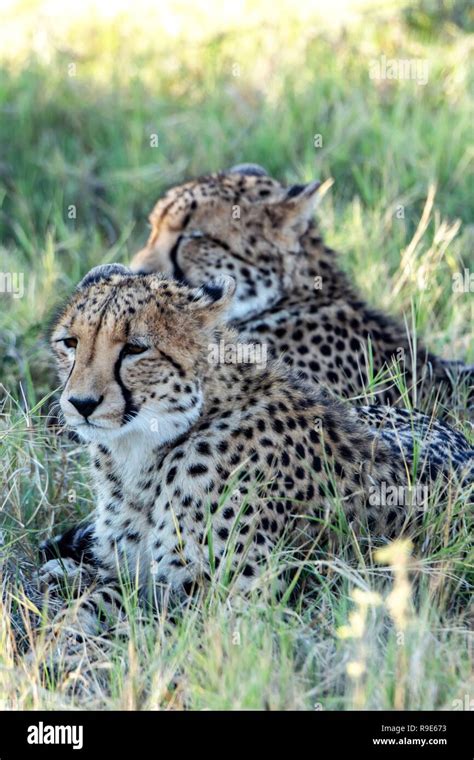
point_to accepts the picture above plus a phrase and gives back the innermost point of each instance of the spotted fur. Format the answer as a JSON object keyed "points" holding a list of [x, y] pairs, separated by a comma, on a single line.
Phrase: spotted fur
{"points": [[291, 292], [202, 468]]}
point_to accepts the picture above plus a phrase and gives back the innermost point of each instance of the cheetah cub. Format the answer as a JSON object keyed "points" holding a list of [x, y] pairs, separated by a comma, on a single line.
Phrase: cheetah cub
{"points": [[201, 463]]}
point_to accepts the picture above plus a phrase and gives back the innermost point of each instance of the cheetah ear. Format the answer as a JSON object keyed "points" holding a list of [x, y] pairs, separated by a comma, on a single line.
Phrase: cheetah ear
{"points": [[213, 298], [300, 201], [102, 272]]}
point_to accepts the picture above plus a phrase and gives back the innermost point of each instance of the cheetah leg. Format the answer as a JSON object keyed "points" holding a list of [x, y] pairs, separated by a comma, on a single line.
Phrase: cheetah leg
{"points": [[95, 613], [99, 611], [72, 566]]}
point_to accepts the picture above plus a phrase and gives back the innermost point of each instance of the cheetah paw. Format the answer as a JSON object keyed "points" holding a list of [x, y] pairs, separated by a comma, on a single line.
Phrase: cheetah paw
{"points": [[63, 572]]}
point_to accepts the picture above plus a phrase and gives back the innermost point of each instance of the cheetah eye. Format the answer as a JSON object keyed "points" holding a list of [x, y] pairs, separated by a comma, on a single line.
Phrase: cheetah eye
{"points": [[132, 349], [70, 342]]}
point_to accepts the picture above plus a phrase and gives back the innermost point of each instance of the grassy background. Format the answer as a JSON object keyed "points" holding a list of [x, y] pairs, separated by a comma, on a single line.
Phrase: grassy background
{"points": [[81, 94]]}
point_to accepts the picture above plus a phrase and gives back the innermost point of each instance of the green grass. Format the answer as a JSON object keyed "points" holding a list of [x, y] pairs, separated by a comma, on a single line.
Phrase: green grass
{"points": [[84, 141]]}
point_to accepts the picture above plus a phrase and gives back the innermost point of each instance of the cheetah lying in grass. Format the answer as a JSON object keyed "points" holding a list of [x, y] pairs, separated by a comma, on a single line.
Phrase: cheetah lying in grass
{"points": [[291, 293], [173, 437]]}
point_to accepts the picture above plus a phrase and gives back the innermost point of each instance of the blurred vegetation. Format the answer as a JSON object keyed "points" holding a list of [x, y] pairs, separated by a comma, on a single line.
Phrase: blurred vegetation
{"points": [[432, 16]]}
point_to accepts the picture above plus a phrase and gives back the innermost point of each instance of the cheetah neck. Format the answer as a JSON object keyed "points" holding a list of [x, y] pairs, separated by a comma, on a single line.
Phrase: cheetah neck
{"points": [[317, 270], [232, 364], [141, 448], [145, 439]]}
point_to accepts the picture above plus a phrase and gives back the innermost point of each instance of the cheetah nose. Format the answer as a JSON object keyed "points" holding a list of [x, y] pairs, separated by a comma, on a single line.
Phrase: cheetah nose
{"points": [[85, 406]]}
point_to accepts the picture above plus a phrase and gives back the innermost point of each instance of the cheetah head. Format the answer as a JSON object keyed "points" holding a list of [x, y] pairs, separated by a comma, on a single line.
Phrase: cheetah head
{"points": [[183, 207], [244, 225], [130, 351]]}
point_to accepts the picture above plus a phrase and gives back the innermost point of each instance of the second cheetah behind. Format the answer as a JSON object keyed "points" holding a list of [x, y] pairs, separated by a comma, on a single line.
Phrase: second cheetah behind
{"points": [[291, 291]]}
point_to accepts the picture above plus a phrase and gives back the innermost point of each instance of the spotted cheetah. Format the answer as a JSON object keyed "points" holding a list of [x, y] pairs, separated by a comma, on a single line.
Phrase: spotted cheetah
{"points": [[202, 467], [291, 292]]}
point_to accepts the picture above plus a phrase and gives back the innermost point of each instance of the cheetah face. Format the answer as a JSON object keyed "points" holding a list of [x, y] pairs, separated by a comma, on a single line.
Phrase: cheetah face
{"points": [[183, 207], [130, 349], [250, 230]]}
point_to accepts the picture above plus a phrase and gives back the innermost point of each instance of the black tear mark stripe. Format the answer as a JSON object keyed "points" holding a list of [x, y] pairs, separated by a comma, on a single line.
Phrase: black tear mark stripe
{"points": [[131, 409], [185, 221], [178, 273]]}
